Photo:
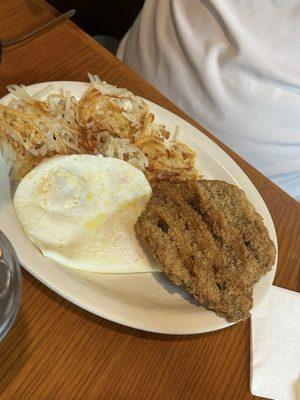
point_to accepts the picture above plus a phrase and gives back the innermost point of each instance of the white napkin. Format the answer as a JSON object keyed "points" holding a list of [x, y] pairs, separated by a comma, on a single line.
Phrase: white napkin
{"points": [[275, 346]]}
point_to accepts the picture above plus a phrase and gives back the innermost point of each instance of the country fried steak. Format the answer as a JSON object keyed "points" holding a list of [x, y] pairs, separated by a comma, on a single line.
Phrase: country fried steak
{"points": [[208, 238], [242, 216]]}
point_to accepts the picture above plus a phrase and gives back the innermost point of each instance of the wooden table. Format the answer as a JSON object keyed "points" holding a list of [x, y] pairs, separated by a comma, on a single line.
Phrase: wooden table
{"points": [[58, 351]]}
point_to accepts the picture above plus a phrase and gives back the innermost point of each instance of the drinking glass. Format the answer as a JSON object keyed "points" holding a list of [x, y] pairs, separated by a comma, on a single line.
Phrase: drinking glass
{"points": [[10, 285]]}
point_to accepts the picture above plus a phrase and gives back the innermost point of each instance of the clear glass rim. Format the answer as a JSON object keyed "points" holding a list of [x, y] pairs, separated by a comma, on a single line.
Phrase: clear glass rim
{"points": [[12, 298]]}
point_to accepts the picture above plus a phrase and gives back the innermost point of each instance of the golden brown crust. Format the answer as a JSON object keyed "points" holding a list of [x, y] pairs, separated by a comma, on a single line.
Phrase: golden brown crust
{"points": [[106, 120], [242, 216], [199, 248]]}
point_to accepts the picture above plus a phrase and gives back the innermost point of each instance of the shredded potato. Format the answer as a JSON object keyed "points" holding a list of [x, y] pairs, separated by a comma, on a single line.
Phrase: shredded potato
{"points": [[107, 120]]}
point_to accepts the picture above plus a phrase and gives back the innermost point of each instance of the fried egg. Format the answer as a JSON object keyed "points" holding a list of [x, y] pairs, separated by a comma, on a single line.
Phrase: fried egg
{"points": [[80, 211]]}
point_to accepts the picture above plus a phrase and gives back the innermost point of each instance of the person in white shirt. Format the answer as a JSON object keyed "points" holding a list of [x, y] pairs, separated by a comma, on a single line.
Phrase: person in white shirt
{"points": [[234, 66]]}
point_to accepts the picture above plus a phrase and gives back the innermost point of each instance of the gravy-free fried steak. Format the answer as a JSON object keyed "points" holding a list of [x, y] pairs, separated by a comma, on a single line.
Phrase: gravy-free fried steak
{"points": [[198, 248], [242, 216]]}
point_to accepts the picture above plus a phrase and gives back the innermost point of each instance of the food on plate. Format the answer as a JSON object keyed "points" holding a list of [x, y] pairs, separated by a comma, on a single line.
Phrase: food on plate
{"points": [[32, 130], [80, 211], [113, 119], [107, 120], [87, 168], [241, 215], [198, 240]]}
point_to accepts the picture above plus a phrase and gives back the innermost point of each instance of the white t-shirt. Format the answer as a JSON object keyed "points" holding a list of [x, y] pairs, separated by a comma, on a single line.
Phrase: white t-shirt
{"points": [[234, 66]]}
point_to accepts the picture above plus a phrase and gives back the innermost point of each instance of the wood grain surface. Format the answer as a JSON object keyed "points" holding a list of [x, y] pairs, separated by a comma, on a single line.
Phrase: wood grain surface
{"points": [[58, 351]]}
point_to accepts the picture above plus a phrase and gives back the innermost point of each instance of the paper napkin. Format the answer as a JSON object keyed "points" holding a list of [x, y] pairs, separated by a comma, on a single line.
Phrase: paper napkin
{"points": [[275, 346]]}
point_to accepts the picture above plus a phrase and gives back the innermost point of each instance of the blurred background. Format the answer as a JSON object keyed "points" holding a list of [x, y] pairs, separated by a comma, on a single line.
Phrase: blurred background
{"points": [[102, 17]]}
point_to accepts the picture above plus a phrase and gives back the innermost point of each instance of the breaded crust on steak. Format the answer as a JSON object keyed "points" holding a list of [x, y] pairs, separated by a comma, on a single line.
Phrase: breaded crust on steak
{"points": [[242, 216], [202, 246]]}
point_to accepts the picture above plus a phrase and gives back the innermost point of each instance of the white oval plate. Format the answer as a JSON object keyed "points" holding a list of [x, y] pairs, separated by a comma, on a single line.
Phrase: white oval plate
{"points": [[143, 301]]}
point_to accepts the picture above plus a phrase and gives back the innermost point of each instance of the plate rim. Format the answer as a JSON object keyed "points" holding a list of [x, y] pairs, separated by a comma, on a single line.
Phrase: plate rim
{"points": [[246, 181]]}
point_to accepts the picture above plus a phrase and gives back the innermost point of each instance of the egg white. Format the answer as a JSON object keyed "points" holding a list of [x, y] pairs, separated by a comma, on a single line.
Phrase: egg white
{"points": [[80, 211]]}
